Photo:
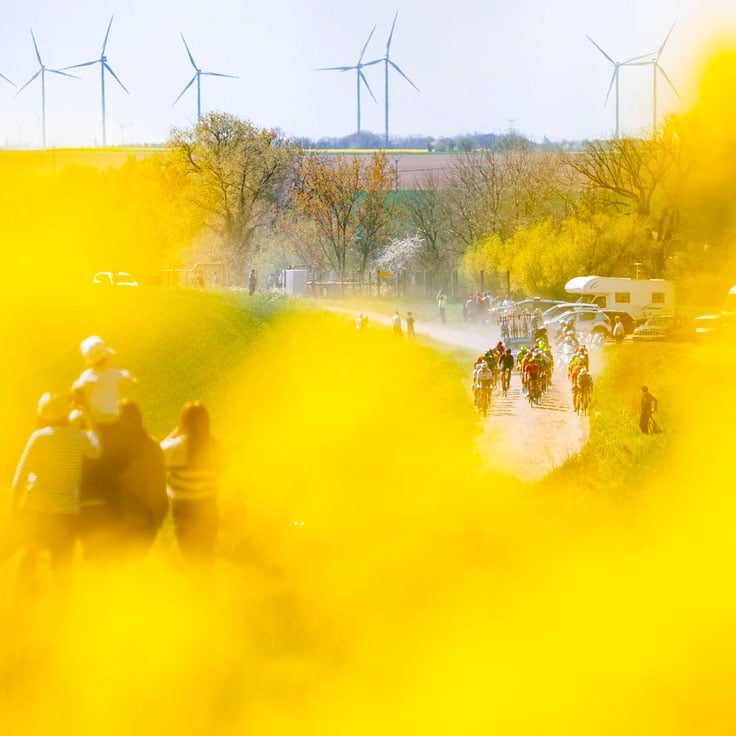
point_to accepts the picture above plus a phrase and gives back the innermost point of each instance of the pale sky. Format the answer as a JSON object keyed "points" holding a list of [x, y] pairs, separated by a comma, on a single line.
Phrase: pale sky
{"points": [[480, 66]]}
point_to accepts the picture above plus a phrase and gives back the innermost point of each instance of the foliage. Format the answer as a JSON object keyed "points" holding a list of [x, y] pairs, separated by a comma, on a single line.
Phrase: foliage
{"points": [[426, 211], [646, 178], [377, 207], [401, 254], [83, 215], [348, 201], [238, 176]]}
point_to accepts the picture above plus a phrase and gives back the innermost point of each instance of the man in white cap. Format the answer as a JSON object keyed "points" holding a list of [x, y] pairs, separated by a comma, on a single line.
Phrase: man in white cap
{"points": [[102, 384], [46, 488], [100, 388]]}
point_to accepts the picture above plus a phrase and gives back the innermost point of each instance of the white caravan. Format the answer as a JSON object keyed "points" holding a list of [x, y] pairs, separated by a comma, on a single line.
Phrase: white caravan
{"points": [[641, 298]]}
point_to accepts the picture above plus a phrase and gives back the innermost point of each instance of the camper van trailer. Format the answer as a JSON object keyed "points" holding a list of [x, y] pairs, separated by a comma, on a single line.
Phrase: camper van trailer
{"points": [[641, 298]]}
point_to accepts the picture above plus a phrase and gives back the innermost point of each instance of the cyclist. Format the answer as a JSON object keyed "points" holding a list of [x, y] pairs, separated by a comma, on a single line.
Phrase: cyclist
{"points": [[506, 365], [480, 361], [531, 375], [482, 381], [582, 390]]}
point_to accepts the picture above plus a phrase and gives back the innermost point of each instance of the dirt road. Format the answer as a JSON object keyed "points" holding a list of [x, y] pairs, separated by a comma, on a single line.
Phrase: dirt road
{"points": [[517, 440]]}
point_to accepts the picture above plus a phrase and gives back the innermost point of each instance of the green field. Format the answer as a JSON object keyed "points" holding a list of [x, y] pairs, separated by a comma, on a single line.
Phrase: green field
{"points": [[365, 560]]}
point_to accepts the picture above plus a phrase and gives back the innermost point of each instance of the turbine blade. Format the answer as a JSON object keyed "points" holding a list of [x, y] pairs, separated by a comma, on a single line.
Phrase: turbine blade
{"points": [[600, 49], [7, 80], [666, 38], [371, 63], [217, 74], [669, 81], [35, 46], [184, 90], [104, 43], [114, 76], [191, 58], [368, 87], [403, 75], [336, 68], [390, 35], [27, 83], [637, 58], [610, 86], [62, 74], [365, 46], [86, 63]]}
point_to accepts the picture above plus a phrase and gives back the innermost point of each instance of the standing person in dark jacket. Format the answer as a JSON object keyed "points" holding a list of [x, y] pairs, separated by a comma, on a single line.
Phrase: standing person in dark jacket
{"points": [[648, 407], [143, 499]]}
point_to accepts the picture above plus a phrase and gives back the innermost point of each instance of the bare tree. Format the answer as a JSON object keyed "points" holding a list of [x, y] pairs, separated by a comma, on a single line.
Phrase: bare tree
{"points": [[238, 174], [427, 213], [348, 203]]}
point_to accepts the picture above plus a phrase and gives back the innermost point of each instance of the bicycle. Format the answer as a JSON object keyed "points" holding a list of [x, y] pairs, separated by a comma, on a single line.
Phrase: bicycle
{"points": [[484, 399], [534, 392], [505, 380], [652, 425], [582, 400]]}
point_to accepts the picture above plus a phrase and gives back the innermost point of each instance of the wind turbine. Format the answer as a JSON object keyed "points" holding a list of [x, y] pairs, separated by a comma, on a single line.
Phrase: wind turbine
{"points": [[657, 67], [42, 72], [196, 78], [360, 77], [615, 76], [104, 66], [388, 63]]}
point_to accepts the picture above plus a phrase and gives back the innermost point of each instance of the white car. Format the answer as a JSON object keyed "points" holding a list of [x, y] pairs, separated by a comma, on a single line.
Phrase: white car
{"points": [[114, 278], [587, 321], [558, 309]]}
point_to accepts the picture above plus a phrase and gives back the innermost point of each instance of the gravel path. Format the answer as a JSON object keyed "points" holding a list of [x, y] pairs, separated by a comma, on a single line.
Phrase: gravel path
{"points": [[517, 440]]}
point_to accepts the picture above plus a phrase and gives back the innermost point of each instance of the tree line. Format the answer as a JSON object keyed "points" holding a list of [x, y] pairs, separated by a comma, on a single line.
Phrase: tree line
{"points": [[518, 219]]}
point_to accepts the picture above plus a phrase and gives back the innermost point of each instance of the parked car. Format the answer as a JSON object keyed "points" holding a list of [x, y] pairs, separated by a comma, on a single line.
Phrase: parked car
{"points": [[588, 321], [114, 278], [674, 328], [536, 302], [556, 310]]}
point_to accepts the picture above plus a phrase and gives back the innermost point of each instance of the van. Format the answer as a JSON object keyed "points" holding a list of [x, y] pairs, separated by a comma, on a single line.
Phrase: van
{"points": [[640, 298]]}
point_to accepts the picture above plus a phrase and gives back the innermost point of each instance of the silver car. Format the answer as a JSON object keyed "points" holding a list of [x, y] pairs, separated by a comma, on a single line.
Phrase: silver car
{"points": [[587, 321]]}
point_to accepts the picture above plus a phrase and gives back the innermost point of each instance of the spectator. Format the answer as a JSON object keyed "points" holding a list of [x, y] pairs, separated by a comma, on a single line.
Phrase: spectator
{"points": [[396, 324], [46, 490], [194, 463], [442, 304], [649, 405], [143, 497], [410, 326]]}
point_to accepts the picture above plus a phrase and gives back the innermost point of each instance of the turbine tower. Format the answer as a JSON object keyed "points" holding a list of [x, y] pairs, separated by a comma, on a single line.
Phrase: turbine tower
{"points": [[657, 67], [388, 63], [104, 66], [358, 72], [196, 78], [615, 77], [42, 72]]}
